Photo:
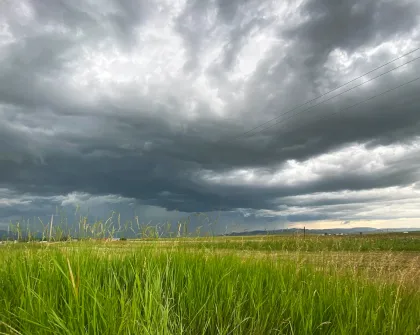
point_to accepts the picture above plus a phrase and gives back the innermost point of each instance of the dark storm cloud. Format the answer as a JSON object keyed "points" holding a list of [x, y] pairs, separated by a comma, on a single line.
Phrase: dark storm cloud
{"points": [[58, 136], [350, 25]]}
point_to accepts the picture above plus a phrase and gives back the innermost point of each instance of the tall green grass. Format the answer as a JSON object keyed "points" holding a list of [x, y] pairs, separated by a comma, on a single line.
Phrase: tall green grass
{"points": [[88, 290]]}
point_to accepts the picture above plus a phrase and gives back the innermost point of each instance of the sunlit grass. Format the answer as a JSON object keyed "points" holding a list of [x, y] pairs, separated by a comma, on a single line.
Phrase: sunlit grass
{"points": [[126, 288]]}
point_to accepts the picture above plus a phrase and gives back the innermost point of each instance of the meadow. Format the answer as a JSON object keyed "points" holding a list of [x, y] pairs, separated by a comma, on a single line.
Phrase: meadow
{"points": [[213, 285]]}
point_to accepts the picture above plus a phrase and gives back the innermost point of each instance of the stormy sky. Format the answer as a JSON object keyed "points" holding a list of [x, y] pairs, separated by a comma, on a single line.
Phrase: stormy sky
{"points": [[145, 107]]}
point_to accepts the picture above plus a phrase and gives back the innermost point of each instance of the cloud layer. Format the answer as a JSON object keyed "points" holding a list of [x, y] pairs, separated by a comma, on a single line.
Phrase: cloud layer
{"points": [[147, 102]]}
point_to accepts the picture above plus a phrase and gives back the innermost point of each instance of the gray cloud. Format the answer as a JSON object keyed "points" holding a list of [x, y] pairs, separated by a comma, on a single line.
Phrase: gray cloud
{"points": [[349, 25], [142, 100]]}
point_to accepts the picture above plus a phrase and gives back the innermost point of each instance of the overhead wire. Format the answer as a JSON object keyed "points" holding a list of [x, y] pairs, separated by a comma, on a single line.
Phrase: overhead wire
{"points": [[335, 96], [363, 101]]}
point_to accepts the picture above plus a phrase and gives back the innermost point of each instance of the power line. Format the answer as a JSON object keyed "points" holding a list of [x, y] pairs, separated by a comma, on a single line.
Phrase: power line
{"points": [[320, 103], [363, 101], [357, 104], [309, 101], [370, 98]]}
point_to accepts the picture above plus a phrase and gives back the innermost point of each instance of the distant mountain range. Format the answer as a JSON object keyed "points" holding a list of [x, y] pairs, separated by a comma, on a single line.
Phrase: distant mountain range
{"points": [[4, 234], [356, 230]]}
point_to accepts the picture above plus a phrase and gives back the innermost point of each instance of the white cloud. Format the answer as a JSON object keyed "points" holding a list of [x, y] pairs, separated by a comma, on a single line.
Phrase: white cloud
{"points": [[393, 193], [356, 159]]}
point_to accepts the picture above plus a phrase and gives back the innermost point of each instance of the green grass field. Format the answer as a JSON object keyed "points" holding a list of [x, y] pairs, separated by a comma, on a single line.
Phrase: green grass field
{"points": [[252, 285]]}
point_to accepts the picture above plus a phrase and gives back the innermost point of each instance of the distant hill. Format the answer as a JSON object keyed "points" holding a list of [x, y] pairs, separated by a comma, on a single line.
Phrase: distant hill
{"points": [[357, 230]]}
